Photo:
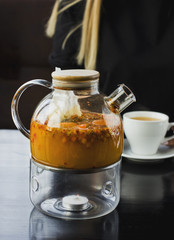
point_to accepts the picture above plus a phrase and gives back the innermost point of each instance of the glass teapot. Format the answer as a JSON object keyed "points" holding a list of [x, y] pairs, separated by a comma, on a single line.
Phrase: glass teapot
{"points": [[76, 139], [75, 127]]}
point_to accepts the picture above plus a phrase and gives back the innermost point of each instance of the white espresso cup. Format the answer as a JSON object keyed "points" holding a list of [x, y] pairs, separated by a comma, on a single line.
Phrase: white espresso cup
{"points": [[146, 130]]}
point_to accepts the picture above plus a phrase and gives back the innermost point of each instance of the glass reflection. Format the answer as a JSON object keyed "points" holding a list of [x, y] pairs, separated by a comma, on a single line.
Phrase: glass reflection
{"points": [[46, 227]]}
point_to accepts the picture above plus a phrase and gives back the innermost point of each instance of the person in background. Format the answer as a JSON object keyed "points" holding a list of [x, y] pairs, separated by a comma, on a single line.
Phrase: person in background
{"points": [[129, 42]]}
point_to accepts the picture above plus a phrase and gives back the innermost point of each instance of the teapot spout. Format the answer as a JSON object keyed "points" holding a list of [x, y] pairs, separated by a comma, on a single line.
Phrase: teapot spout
{"points": [[120, 99]]}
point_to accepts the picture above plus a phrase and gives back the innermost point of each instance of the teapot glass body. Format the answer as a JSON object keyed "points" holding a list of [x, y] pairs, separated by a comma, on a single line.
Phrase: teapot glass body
{"points": [[74, 127]]}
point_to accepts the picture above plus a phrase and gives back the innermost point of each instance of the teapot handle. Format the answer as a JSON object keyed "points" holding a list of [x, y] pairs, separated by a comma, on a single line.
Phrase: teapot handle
{"points": [[14, 105]]}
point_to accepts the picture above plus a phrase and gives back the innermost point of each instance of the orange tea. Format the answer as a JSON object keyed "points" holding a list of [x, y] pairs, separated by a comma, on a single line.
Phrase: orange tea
{"points": [[84, 142]]}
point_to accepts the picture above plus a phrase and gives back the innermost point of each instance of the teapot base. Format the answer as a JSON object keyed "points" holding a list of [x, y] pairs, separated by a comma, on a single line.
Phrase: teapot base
{"points": [[75, 194]]}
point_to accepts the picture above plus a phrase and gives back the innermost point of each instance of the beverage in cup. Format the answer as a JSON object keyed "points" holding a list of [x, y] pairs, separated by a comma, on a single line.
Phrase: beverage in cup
{"points": [[146, 130]]}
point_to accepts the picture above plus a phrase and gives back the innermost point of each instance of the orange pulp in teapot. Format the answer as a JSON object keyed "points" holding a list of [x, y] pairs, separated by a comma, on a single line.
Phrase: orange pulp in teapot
{"points": [[84, 142]]}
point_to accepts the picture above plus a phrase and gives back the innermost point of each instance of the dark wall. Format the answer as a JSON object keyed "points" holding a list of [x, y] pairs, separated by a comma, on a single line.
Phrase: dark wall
{"points": [[24, 51]]}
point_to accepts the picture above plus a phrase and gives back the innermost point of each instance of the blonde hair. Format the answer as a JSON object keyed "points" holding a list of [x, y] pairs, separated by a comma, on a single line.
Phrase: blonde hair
{"points": [[90, 30]]}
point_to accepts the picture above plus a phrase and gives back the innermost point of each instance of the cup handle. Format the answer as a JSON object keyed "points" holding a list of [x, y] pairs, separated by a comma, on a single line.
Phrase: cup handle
{"points": [[15, 102], [171, 137]]}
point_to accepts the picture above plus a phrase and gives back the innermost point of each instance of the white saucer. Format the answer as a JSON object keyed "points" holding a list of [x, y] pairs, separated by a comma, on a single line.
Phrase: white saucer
{"points": [[163, 153]]}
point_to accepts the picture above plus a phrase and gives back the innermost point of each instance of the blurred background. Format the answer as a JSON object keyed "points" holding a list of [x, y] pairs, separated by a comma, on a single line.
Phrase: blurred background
{"points": [[24, 50]]}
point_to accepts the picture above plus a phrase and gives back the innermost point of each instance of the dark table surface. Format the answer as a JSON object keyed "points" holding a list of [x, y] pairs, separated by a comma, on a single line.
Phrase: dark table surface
{"points": [[145, 210]]}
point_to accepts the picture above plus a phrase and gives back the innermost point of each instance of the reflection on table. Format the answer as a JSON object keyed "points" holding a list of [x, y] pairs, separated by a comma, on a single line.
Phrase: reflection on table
{"points": [[147, 200], [42, 226]]}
